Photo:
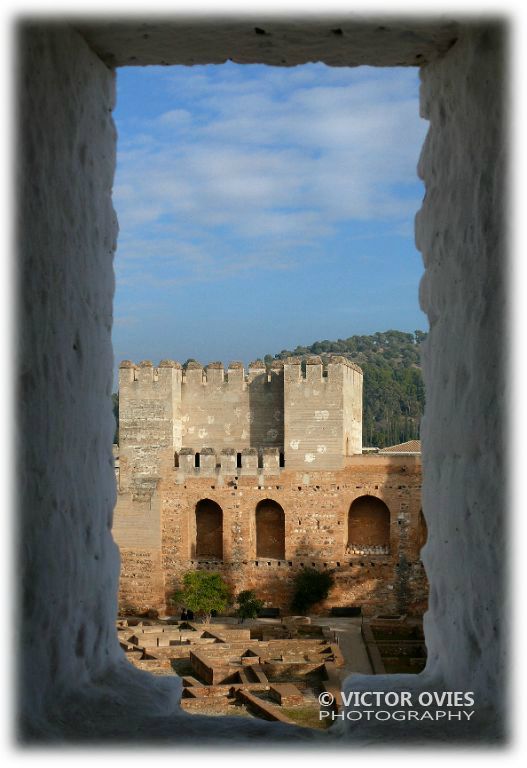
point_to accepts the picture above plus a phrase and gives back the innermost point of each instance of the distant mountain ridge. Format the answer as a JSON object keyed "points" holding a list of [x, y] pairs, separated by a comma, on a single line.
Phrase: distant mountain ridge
{"points": [[394, 395]]}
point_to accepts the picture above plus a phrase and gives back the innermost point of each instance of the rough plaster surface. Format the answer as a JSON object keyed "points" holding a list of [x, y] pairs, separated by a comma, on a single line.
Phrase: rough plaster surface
{"points": [[461, 236], [346, 41], [74, 681], [69, 563]]}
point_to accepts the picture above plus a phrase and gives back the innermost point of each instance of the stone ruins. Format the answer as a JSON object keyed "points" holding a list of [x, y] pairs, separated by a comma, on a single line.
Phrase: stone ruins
{"points": [[274, 671], [257, 476]]}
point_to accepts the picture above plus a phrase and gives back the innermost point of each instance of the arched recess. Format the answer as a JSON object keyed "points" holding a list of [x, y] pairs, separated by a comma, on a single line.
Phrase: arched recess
{"points": [[369, 524], [270, 530], [209, 529]]}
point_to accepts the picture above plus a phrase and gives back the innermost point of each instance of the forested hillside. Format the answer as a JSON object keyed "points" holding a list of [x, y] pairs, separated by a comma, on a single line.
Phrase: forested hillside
{"points": [[393, 385]]}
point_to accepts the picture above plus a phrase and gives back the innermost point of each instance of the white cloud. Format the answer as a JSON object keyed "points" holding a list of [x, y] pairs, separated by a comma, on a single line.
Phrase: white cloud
{"points": [[273, 158]]}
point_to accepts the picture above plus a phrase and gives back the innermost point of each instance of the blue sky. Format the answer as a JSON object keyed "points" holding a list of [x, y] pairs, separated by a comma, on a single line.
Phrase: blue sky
{"points": [[261, 208]]}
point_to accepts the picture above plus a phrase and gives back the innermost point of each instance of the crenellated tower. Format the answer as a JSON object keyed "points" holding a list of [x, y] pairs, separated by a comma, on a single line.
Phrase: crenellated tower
{"points": [[323, 412], [149, 420], [213, 420]]}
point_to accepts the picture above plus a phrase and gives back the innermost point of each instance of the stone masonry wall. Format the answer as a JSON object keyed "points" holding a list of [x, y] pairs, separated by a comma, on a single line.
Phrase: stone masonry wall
{"points": [[352, 409], [232, 411], [313, 419], [316, 507], [322, 410], [149, 420]]}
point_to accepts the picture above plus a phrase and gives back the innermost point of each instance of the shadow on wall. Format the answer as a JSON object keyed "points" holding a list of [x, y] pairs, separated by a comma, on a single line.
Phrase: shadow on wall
{"points": [[266, 410]]}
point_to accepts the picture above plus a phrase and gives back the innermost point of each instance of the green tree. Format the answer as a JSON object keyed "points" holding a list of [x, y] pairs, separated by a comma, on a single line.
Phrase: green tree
{"points": [[203, 592], [311, 586], [249, 606]]}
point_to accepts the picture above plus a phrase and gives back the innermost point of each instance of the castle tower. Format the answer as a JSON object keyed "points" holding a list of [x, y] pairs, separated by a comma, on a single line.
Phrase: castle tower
{"points": [[149, 420], [209, 418], [322, 413]]}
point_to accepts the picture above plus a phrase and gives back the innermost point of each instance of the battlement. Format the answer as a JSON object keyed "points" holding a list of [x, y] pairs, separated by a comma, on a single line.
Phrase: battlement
{"points": [[306, 414], [146, 372], [208, 461], [213, 373], [315, 370]]}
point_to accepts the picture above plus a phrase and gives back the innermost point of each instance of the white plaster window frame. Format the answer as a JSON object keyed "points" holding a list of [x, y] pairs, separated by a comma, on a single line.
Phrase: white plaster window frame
{"points": [[69, 693]]}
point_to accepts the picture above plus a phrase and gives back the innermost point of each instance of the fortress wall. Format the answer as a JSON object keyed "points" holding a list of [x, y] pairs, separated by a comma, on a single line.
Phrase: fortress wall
{"points": [[137, 532], [234, 411], [313, 415], [141, 586], [149, 419], [316, 506], [137, 521]]}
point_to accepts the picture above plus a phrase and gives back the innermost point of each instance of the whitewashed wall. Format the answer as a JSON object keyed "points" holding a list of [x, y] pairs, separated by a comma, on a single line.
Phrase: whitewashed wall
{"points": [[74, 680]]}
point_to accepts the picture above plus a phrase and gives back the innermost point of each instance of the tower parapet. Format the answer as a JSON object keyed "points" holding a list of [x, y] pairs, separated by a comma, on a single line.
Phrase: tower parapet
{"points": [[236, 375]]}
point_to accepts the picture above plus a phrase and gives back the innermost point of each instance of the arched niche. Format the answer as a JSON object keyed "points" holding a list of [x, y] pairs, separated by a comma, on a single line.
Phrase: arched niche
{"points": [[270, 530], [369, 524], [209, 529]]}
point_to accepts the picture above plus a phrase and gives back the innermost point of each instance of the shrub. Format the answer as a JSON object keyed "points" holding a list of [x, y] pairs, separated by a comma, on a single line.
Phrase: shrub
{"points": [[311, 586], [249, 606]]}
